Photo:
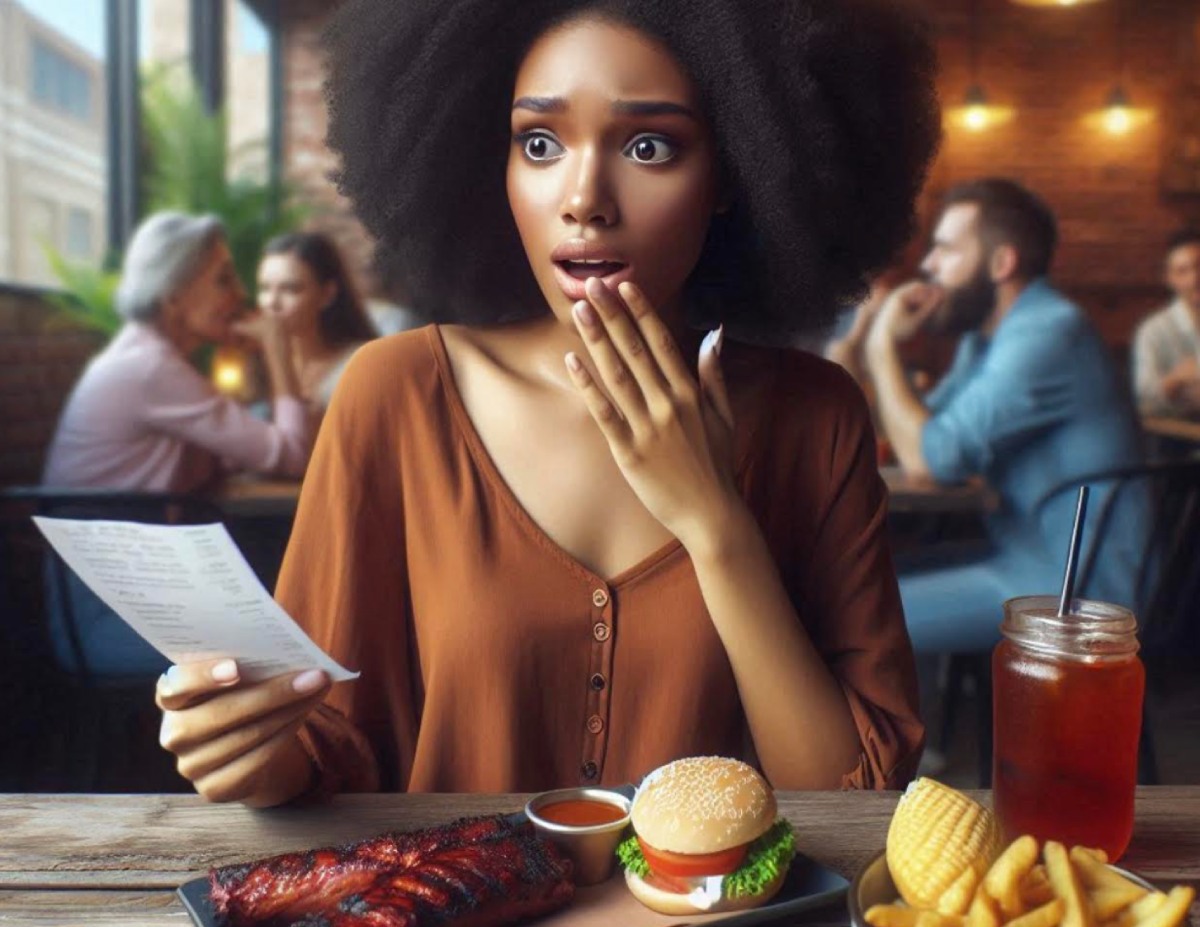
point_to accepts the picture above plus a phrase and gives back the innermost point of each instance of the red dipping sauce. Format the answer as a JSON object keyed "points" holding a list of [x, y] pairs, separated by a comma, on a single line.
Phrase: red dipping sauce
{"points": [[580, 813]]}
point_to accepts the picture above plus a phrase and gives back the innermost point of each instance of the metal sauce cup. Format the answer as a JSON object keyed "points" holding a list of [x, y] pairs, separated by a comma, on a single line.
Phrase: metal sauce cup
{"points": [[593, 848]]}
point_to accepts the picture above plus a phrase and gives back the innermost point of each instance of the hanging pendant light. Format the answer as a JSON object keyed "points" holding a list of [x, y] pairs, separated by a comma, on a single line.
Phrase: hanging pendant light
{"points": [[1118, 118], [975, 108], [1055, 2], [977, 113]]}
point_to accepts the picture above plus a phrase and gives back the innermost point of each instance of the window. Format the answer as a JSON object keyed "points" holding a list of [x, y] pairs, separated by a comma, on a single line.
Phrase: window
{"points": [[247, 92], [59, 82], [79, 233], [54, 148]]}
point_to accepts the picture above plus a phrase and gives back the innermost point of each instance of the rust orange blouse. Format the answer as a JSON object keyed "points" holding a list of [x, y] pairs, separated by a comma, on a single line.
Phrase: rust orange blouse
{"points": [[493, 661]]}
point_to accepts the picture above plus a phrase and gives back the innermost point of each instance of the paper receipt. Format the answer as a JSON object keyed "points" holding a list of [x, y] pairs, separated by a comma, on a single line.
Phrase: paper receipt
{"points": [[189, 592]]}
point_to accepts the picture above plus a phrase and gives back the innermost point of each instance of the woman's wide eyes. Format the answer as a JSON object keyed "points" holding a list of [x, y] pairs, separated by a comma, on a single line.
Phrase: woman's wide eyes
{"points": [[645, 149]]}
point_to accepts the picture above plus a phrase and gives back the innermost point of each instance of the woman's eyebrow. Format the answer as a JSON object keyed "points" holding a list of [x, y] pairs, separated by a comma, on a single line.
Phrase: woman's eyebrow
{"points": [[626, 107]]}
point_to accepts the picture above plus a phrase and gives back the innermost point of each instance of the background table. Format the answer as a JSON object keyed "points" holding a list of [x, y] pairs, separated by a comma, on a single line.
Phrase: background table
{"points": [[1181, 429], [117, 859], [250, 496], [920, 496], [253, 497]]}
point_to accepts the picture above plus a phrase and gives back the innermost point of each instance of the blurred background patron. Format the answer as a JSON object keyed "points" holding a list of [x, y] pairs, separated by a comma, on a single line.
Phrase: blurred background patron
{"points": [[142, 417], [303, 281], [1166, 349], [1031, 400]]}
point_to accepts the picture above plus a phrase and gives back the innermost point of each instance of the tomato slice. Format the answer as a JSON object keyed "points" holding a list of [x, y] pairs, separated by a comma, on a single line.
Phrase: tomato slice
{"points": [[691, 865]]}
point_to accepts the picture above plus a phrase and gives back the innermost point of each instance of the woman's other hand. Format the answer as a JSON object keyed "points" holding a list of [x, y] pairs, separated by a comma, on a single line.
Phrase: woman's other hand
{"points": [[237, 741]]}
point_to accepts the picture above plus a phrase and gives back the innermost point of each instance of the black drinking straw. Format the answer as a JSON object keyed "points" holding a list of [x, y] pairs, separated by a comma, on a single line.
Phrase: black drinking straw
{"points": [[1068, 588]]}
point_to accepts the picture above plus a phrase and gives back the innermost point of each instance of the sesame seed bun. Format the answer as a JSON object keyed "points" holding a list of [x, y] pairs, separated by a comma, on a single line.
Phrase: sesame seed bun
{"points": [[702, 805]]}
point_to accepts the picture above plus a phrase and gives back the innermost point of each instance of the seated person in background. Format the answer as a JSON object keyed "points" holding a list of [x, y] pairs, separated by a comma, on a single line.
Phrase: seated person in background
{"points": [[1166, 348], [302, 279], [142, 417], [1030, 401]]}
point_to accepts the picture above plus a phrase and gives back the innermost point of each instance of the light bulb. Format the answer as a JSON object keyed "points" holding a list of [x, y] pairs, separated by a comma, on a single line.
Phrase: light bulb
{"points": [[1117, 120], [976, 118], [228, 376]]}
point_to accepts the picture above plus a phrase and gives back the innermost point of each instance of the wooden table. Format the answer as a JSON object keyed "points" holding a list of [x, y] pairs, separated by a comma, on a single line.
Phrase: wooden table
{"points": [[251, 497], [117, 859], [246, 496], [1179, 429], [909, 494]]}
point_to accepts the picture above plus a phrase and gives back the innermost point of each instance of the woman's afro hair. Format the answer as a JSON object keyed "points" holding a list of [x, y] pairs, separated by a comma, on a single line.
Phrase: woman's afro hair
{"points": [[824, 114]]}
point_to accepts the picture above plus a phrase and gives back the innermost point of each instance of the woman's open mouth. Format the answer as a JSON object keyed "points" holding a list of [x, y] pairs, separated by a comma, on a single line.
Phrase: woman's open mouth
{"points": [[572, 275]]}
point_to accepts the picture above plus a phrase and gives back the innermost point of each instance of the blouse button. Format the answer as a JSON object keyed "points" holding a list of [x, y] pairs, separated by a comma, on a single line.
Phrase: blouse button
{"points": [[600, 631], [589, 770], [598, 682], [599, 598], [595, 724]]}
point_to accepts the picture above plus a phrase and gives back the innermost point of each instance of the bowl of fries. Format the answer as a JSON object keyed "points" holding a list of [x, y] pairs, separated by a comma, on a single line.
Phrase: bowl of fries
{"points": [[1029, 886]]}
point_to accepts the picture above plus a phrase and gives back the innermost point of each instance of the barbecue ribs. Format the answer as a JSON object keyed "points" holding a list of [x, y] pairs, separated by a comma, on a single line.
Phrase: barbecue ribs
{"points": [[476, 872]]}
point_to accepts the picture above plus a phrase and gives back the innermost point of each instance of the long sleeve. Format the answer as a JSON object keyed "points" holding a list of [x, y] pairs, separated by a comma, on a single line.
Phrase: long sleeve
{"points": [[845, 584], [344, 581], [1026, 387], [181, 403], [1151, 361]]}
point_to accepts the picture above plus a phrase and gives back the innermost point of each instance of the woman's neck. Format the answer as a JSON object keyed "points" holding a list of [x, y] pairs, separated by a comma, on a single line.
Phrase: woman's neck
{"points": [[309, 347]]}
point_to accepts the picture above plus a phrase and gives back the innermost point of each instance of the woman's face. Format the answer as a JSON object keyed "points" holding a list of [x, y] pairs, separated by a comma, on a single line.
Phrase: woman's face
{"points": [[611, 160], [287, 286], [202, 309]]}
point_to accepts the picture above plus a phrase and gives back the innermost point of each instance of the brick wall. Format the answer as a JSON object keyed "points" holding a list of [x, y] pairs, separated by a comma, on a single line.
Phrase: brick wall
{"points": [[307, 162], [41, 356], [1053, 66]]}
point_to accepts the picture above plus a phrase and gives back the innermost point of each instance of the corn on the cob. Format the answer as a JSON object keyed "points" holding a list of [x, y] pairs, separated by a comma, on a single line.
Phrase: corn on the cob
{"points": [[939, 846]]}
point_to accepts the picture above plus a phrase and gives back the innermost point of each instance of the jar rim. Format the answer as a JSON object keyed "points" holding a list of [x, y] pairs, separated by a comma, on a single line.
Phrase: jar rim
{"points": [[1093, 630]]}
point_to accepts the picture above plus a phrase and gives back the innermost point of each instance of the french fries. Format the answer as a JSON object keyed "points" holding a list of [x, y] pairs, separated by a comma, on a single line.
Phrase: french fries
{"points": [[1069, 889]]}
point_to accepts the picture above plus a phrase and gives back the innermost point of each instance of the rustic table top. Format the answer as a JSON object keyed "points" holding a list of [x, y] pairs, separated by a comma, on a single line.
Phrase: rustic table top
{"points": [[117, 859]]}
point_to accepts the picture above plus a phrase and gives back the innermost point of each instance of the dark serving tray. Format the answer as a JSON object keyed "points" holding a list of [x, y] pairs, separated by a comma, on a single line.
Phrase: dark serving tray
{"points": [[809, 886]]}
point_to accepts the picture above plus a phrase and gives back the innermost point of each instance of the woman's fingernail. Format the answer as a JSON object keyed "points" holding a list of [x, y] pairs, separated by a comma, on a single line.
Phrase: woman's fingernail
{"points": [[174, 678], [308, 681], [225, 671], [164, 732], [586, 315], [707, 343], [573, 362], [720, 339]]}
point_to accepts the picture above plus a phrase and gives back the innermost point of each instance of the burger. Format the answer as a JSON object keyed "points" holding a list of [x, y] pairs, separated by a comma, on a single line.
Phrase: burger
{"points": [[705, 839]]}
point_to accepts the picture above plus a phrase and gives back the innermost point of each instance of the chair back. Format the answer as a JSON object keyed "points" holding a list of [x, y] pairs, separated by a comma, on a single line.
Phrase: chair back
{"points": [[163, 508], [1167, 584]]}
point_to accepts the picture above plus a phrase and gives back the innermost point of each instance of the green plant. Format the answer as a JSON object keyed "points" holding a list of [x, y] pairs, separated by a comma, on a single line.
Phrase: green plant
{"points": [[186, 167], [88, 291]]}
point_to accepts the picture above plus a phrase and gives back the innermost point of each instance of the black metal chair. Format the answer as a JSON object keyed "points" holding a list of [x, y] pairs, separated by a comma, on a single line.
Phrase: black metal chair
{"points": [[102, 733], [1167, 583], [1167, 589]]}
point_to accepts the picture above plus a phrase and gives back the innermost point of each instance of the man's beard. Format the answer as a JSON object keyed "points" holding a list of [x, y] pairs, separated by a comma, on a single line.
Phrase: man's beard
{"points": [[967, 307]]}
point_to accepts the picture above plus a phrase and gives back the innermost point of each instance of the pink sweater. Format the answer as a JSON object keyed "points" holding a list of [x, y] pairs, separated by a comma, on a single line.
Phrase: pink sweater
{"points": [[142, 418]]}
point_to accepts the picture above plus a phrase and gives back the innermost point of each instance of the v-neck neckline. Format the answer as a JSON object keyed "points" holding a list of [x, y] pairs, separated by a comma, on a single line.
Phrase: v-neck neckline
{"points": [[487, 466]]}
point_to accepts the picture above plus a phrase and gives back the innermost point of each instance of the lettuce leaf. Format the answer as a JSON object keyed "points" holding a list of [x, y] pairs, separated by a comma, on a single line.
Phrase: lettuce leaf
{"points": [[629, 852], [769, 855]]}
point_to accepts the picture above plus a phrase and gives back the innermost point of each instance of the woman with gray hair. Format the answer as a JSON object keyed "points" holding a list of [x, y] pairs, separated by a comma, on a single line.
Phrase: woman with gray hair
{"points": [[141, 417]]}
